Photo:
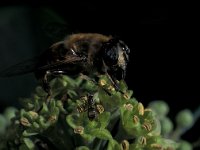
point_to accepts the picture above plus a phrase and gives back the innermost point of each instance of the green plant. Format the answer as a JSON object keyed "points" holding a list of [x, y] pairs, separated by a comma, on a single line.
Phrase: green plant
{"points": [[121, 123]]}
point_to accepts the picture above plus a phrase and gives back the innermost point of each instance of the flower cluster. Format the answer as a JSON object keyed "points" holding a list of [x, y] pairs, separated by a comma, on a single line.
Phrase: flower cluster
{"points": [[84, 114]]}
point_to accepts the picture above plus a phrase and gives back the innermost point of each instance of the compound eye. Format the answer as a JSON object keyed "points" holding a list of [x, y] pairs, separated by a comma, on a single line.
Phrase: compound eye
{"points": [[111, 54], [124, 47]]}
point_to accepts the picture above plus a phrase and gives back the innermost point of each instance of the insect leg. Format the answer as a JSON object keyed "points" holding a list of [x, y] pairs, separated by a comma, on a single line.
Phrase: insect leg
{"points": [[85, 77], [46, 86], [45, 81], [111, 78], [114, 83]]}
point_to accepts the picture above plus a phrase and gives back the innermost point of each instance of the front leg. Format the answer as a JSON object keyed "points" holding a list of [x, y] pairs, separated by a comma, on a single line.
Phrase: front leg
{"points": [[111, 77], [114, 83], [46, 79]]}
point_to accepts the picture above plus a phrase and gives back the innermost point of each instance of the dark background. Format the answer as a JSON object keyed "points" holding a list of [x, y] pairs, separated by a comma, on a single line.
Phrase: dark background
{"points": [[163, 41]]}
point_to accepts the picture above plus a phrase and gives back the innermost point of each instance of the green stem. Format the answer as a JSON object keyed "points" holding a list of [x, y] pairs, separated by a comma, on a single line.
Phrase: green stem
{"points": [[196, 143], [180, 131], [176, 134]]}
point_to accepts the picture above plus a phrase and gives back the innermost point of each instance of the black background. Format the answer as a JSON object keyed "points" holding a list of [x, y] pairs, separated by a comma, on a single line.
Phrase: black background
{"points": [[163, 41]]}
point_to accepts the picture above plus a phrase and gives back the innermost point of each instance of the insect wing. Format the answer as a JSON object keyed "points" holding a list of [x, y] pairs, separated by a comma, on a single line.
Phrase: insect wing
{"points": [[23, 67], [68, 60]]}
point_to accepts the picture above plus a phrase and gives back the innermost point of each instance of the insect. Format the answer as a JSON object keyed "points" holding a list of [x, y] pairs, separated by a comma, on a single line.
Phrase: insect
{"points": [[89, 105], [90, 54]]}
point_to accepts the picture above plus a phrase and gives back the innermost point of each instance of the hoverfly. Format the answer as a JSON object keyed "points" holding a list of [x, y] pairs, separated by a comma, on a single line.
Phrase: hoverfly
{"points": [[88, 53], [89, 105]]}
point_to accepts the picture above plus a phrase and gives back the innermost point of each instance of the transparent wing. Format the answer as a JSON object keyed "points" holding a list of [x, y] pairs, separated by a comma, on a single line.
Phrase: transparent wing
{"points": [[72, 59], [23, 67], [31, 65]]}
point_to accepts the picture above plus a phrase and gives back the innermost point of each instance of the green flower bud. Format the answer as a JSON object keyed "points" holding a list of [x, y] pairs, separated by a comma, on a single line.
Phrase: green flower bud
{"points": [[79, 130], [125, 145], [184, 118], [184, 145], [24, 121], [59, 104], [3, 124], [122, 123], [30, 145], [33, 115], [82, 148], [161, 108], [43, 123], [166, 126], [36, 125], [9, 113], [39, 91]]}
